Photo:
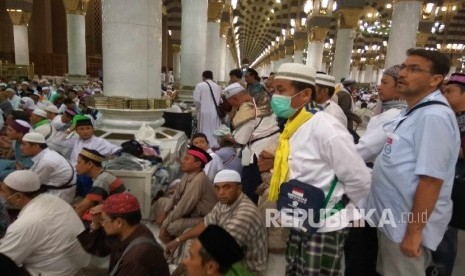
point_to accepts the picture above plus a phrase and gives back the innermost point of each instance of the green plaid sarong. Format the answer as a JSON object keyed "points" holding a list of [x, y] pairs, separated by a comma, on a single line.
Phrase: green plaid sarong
{"points": [[317, 255]]}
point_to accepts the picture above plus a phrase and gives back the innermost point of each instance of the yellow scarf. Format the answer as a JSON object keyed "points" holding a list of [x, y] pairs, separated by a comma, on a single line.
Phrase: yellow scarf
{"points": [[281, 166]]}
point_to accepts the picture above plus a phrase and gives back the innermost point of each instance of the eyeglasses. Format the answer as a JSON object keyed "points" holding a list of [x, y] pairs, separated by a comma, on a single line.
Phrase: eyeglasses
{"points": [[414, 69]]}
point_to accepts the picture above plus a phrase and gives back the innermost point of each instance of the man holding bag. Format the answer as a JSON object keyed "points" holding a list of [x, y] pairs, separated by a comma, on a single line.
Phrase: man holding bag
{"points": [[314, 150]]}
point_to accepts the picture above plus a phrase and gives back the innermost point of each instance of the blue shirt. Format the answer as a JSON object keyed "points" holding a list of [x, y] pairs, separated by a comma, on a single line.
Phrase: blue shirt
{"points": [[426, 143]]}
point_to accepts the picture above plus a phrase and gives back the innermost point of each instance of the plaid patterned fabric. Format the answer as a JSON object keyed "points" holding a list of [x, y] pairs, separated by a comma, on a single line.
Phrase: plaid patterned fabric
{"points": [[318, 255]]}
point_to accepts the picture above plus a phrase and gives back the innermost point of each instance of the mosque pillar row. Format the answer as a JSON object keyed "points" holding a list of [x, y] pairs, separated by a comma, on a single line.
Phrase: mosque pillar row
{"points": [[348, 22], [176, 61], [300, 39], [403, 33], [354, 72], [193, 41], [20, 19], [316, 40], [369, 73], [76, 36], [212, 58]]}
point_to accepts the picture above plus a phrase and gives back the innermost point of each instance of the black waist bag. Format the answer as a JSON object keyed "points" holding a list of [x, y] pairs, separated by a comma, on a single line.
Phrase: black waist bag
{"points": [[300, 203]]}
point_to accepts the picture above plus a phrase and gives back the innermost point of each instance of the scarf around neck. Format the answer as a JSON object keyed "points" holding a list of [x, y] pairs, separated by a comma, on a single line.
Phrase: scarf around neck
{"points": [[398, 104], [281, 165]]}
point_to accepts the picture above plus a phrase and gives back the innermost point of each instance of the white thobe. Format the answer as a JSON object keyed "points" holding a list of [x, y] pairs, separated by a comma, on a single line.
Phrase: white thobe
{"points": [[207, 117]]}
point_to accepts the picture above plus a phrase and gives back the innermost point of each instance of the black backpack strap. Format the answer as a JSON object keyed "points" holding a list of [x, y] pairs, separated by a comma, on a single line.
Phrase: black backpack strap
{"points": [[417, 107]]}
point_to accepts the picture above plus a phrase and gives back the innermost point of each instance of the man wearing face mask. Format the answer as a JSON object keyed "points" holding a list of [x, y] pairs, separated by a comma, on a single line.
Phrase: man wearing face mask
{"points": [[314, 149]]}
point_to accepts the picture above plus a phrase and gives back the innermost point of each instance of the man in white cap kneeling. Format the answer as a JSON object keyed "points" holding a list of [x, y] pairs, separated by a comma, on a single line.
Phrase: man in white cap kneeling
{"points": [[43, 238], [239, 216], [56, 173]]}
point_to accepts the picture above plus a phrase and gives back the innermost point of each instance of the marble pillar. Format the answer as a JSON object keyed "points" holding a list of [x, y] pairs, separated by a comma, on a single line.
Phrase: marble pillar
{"points": [[298, 56], [132, 66], [213, 49], [222, 60], [323, 67], [193, 40], [369, 73], [361, 76], [354, 73], [345, 42], [76, 36], [20, 19], [402, 36], [176, 62], [315, 54]]}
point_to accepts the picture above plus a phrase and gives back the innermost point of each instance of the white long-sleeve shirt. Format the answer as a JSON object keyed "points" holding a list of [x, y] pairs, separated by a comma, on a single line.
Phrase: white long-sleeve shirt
{"points": [[322, 148], [43, 238]]}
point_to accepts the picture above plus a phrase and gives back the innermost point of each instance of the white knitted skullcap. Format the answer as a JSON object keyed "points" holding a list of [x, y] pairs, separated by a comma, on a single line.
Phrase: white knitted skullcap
{"points": [[40, 112], [326, 80], [51, 108], [232, 90], [34, 137], [296, 72], [227, 176], [23, 181]]}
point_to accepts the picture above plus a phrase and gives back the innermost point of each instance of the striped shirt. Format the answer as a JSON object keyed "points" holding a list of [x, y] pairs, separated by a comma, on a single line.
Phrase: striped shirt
{"points": [[243, 221], [104, 185]]}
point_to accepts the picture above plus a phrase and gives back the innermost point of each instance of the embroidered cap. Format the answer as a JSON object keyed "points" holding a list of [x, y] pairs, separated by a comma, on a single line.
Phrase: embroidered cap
{"points": [[457, 78], [34, 137], [51, 108], [199, 153], [92, 154], [23, 181], [227, 176], [326, 80], [296, 72], [20, 126], [221, 245], [232, 89], [393, 71], [121, 203]]}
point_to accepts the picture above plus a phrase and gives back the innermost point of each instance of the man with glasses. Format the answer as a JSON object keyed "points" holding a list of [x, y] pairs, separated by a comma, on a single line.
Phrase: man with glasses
{"points": [[413, 175]]}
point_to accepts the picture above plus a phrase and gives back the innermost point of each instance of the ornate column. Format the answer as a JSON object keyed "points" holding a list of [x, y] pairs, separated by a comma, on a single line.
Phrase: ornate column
{"points": [[354, 72], [76, 34], [323, 67], [369, 73], [176, 61], [223, 50], [316, 41], [299, 46], [20, 19], [193, 40], [402, 36], [348, 21], [288, 51]]}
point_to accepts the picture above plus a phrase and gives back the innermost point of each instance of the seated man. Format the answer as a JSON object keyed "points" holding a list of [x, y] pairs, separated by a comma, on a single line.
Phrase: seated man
{"points": [[116, 231], [15, 131], [43, 237], [41, 124], [193, 199], [238, 215], [56, 173], [90, 163], [215, 253], [215, 165]]}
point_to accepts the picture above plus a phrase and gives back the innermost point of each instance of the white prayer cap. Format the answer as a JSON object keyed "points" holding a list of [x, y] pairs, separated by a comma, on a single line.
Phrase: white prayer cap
{"points": [[11, 90], [296, 72], [232, 90], [45, 88], [24, 83], [27, 103], [222, 131], [41, 105], [34, 137], [227, 176], [3, 84], [40, 112], [51, 108], [326, 80], [23, 181]]}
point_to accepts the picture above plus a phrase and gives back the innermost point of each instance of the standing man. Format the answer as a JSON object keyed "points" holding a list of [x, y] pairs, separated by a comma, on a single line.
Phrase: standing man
{"points": [[413, 175], [235, 75], [207, 95], [255, 127], [315, 149], [55, 172], [325, 87]]}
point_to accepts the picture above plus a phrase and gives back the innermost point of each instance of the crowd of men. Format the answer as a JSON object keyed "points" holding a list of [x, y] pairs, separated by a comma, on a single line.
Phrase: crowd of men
{"points": [[263, 157]]}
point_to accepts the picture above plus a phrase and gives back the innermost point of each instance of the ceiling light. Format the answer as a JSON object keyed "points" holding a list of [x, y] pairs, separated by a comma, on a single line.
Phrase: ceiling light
{"points": [[292, 22], [292, 31], [272, 10], [235, 19], [234, 4], [308, 7], [334, 5], [278, 1], [388, 6], [169, 32], [303, 21]]}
